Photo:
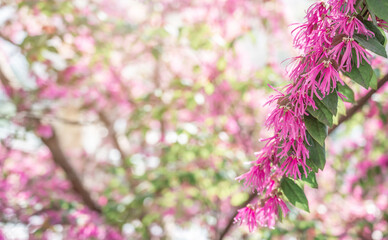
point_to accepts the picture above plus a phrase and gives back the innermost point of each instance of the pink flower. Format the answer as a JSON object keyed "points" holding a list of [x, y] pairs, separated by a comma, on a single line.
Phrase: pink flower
{"points": [[290, 167], [102, 200], [300, 97], [282, 119], [347, 25], [85, 43], [343, 6], [348, 44], [383, 24], [45, 131], [256, 177], [324, 77], [232, 126], [247, 215], [312, 32], [267, 215]]}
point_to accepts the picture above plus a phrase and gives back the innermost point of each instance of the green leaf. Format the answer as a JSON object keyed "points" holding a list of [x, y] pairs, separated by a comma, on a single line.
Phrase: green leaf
{"points": [[331, 102], [379, 8], [376, 30], [156, 51], [322, 113], [372, 44], [280, 214], [52, 49], [294, 194], [317, 154], [316, 129], [361, 75], [341, 108], [311, 180], [221, 64], [347, 92], [382, 115], [373, 81]]}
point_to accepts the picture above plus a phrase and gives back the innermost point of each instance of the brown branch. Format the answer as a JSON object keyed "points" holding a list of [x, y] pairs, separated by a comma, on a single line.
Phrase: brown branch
{"points": [[74, 122], [112, 133], [359, 104], [230, 222], [4, 80], [59, 157], [114, 138], [349, 113], [61, 160], [5, 38]]}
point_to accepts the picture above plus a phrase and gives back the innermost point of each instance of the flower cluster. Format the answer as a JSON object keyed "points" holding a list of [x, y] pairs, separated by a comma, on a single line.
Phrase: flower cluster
{"points": [[326, 41]]}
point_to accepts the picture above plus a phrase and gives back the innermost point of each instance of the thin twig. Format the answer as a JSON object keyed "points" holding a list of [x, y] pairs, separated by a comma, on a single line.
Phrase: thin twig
{"points": [[58, 156], [231, 221], [360, 103], [112, 134], [61, 160]]}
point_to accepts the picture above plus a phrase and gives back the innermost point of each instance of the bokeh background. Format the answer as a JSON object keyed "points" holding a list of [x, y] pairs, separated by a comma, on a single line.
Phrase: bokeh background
{"points": [[131, 119]]}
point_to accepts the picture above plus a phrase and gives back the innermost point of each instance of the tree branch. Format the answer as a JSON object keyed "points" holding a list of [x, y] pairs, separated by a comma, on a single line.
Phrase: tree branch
{"points": [[359, 104], [58, 156], [60, 159], [349, 113], [230, 222], [112, 133], [5, 38], [114, 138]]}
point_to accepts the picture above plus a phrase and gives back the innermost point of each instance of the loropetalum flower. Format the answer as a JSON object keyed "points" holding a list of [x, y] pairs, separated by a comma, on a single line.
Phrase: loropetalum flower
{"points": [[247, 215], [383, 24], [265, 215], [323, 77], [291, 167], [256, 176], [328, 46], [349, 45], [270, 210], [348, 24]]}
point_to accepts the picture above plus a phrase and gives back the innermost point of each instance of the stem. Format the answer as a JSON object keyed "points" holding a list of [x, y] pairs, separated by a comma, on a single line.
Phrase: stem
{"points": [[359, 104], [114, 138], [112, 134], [349, 113], [58, 156], [60, 159], [230, 222]]}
